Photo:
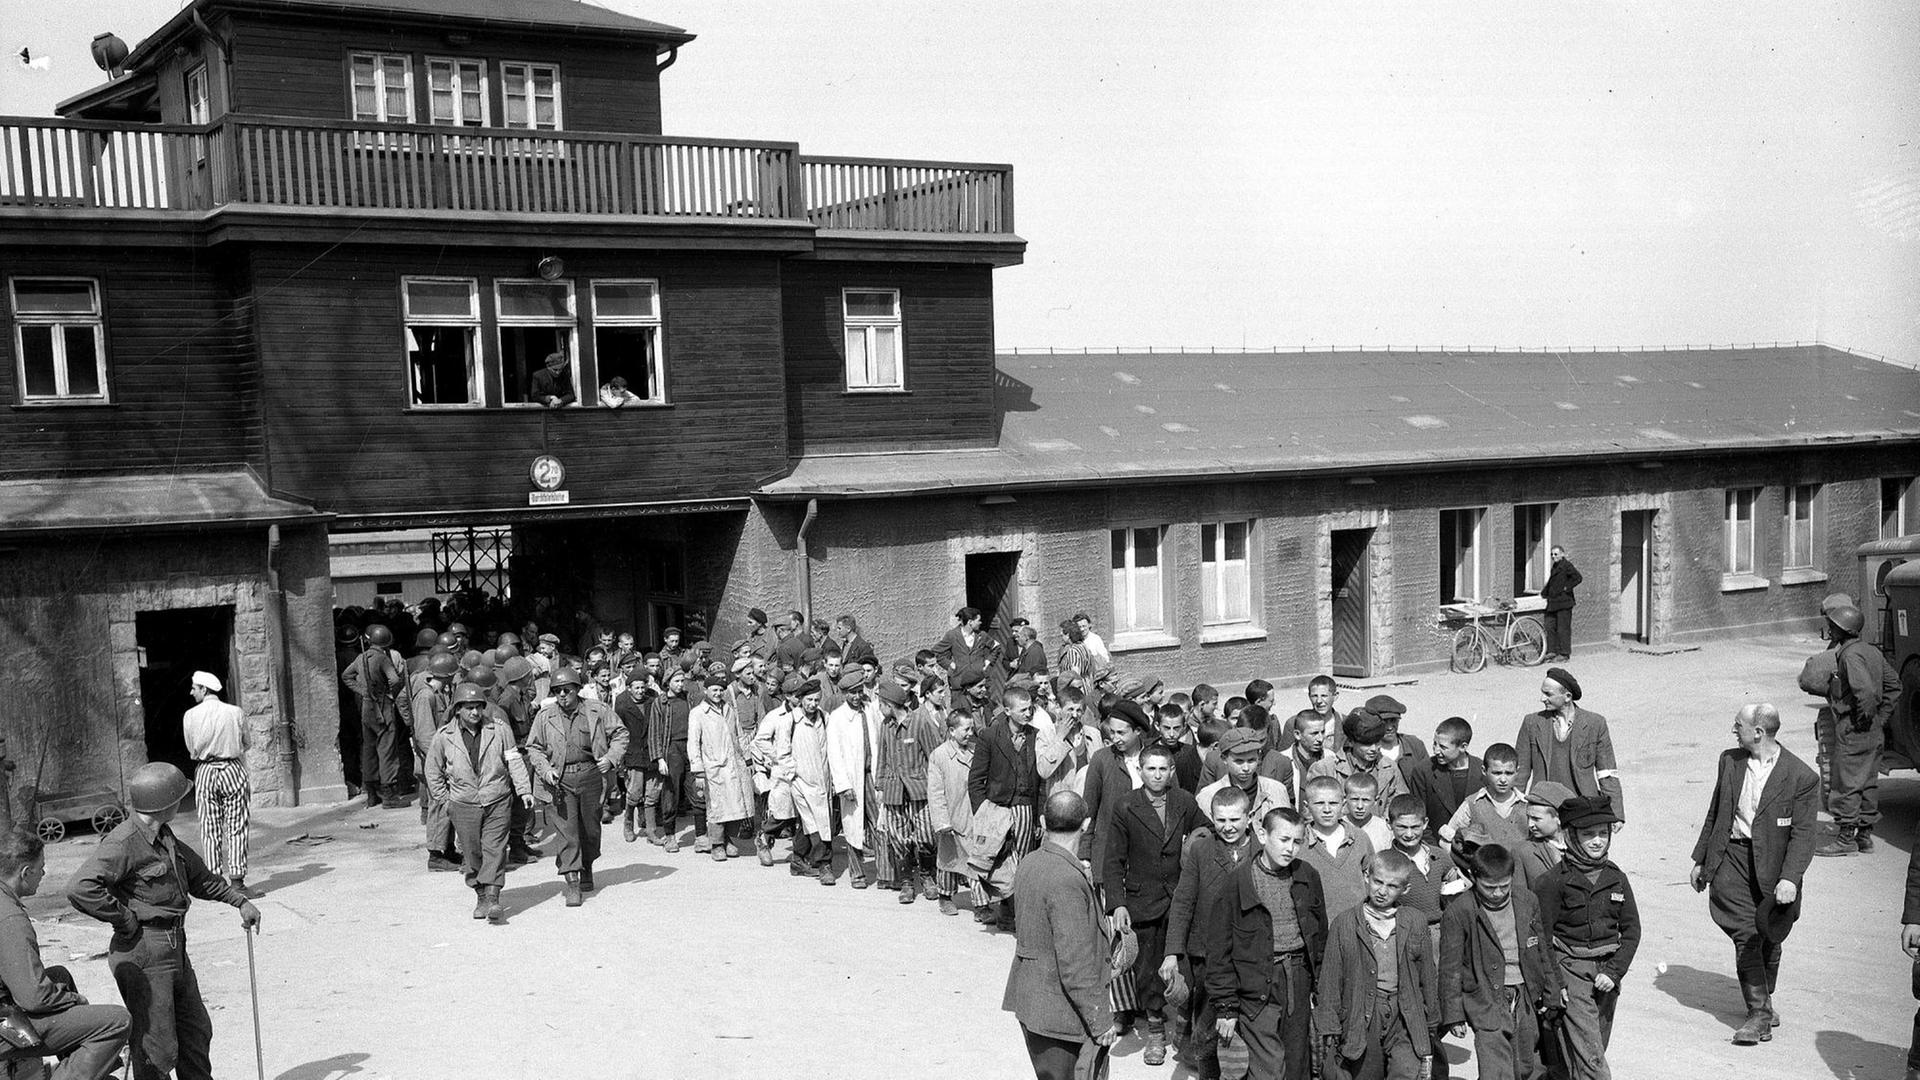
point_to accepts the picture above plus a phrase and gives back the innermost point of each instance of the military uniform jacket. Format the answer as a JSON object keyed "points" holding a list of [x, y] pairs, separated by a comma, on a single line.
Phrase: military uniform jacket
{"points": [[454, 776], [551, 741]]}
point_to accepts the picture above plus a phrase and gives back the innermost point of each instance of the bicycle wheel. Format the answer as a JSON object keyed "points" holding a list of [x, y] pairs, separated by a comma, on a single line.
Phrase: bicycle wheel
{"points": [[1529, 642], [1469, 651]]}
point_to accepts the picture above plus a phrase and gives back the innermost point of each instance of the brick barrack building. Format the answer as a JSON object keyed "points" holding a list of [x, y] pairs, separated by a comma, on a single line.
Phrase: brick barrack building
{"points": [[288, 274]]}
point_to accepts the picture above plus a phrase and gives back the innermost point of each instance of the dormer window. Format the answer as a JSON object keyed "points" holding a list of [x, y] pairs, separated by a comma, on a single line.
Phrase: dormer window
{"points": [[457, 91], [531, 93], [382, 87]]}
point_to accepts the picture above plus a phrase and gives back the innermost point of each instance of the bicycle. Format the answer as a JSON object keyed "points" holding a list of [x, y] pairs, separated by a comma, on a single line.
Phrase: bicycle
{"points": [[1511, 639]]}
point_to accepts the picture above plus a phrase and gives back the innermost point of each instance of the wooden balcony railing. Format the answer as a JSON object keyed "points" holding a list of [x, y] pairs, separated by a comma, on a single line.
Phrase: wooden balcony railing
{"points": [[276, 161]]}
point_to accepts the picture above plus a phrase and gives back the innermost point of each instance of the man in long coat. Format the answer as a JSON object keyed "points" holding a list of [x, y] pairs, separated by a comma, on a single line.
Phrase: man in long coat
{"points": [[720, 766]]}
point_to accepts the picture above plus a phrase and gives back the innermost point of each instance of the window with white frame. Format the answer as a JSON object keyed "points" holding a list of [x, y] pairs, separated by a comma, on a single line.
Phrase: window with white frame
{"points": [[456, 91], [1739, 530], [1460, 554], [626, 340], [442, 318], [1897, 507], [872, 320], [199, 107], [531, 95], [1532, 541], [59, 340], [1803, 529], [1139, 580], [536, 320], [382, 85], [1226, 573]]}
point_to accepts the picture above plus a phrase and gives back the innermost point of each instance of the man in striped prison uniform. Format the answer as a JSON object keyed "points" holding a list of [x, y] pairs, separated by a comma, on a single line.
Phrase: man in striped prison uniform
{"points": [[906, 739], [216, 737]]}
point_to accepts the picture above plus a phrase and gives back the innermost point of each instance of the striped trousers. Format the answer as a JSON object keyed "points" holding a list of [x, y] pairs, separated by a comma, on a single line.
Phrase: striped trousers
{"points": [[225, 799]]}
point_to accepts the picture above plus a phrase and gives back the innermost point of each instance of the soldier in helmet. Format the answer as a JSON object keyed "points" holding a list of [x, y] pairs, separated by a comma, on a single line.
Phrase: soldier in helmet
{"points": [[140, 881], [423, 643], [1862, 694], [432, 704], [375, 678], [574, 744], [515, 696], [475, 770]]}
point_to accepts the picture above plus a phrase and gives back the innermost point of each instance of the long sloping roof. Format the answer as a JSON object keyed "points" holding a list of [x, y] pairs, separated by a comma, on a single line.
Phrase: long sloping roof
{"points": [[548, 14], [1070, 419], [159, 500]]}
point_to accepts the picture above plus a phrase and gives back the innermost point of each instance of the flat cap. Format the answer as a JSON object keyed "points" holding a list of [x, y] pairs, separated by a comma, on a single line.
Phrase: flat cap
{"points": [[892, 693], [1385, 705], [795, 684], [1548, 793], [1363, 728], [745, 663], [852, 680], [549, 639], [1580, 812], [1241, 740]]}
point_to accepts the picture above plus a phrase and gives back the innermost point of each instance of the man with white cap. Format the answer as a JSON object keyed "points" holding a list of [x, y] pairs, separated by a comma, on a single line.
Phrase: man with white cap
{"points": [[217, 740], [140, 880]]}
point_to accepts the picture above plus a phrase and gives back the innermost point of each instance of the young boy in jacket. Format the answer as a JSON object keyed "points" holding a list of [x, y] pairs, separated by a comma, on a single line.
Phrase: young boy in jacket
{"points": [[1379, 994], [1265, 937], [1587, 907], [1206, 867], [1446, 778], [1496, 975]]}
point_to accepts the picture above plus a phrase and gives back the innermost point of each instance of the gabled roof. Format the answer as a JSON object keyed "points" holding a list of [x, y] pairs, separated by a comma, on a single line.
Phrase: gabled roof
{"points": [[1074, 419]]}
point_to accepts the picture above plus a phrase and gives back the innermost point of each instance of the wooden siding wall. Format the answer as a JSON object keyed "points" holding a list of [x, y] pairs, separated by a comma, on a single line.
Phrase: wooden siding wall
{"points": [[292, 67], [342, 437], [947, 323], [183, 379]]}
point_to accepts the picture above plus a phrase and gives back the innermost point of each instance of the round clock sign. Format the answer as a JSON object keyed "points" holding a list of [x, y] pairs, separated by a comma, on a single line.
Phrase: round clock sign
{"points": [[547, 472]]}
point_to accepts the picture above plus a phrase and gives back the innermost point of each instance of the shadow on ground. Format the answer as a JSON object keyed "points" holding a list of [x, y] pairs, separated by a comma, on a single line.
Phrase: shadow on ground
{"points": [[1850, 1057], [1712, 992], [326, 1068], [529, 896]]}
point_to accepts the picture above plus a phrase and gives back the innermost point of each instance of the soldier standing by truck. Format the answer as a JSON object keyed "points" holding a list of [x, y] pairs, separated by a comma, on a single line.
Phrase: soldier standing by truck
{"points": [[1862, 693]]}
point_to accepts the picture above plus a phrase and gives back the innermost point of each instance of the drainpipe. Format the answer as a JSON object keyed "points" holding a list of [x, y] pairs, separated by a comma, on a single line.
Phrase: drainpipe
{"points": [[287, 766], [806, 559]]}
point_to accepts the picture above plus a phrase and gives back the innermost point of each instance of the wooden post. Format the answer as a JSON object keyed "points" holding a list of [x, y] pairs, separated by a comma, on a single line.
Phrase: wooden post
{"points": [[892, 194]]}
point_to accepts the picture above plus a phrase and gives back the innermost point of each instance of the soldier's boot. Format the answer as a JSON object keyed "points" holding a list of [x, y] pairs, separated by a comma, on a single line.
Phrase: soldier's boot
{"points": [[1846, 841], [574, 899], [480, 901], [496, 912], [1758, 1026], [1773, 980], [1863, 839]]}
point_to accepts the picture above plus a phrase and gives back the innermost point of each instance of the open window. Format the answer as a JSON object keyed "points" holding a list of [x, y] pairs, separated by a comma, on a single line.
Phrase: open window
{"points": [[626, 339], [536, 321], [442, 317]]}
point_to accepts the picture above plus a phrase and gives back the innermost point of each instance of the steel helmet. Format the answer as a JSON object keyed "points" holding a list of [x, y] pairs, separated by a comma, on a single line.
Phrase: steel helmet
{"points": [[379, 636], [467, 693], [566, 676], [515, 669], [473, 658], [1847, 619], [494, 658], [458, 628], [448, 640], [443, 666], [507, 637], [157, 787], [425, 639], [482, 677], [507, 650], [1835, 600]]}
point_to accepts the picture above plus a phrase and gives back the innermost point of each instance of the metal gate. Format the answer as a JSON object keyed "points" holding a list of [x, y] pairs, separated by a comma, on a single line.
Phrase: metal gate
{"points": [[472, 559]]}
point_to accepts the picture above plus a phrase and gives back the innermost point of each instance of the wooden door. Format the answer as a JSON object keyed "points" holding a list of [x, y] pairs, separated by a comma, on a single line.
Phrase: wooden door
{"points": [[1352, 625]]}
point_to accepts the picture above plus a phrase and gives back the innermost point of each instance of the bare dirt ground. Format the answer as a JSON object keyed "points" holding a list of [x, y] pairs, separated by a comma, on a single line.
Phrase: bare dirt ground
{"points": [[370, 967]]}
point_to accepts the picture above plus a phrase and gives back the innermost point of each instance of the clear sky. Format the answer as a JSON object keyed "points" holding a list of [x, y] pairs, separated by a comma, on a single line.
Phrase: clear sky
{"points": [[1322, 173]]}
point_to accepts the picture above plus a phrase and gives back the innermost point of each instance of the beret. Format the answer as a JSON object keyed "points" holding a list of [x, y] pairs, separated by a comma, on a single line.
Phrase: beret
{"points": [[1133, 713], [891, 693], [968, 679], [1363, 727], [1239, 739], [1548, 793], [757, 615], [1584, 813], [1565, 678], [716, 681], [1383, 705]]}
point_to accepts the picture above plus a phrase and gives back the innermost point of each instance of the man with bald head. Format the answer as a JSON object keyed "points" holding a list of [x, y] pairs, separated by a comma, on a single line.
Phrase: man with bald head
{"points": [[1753, 850]]}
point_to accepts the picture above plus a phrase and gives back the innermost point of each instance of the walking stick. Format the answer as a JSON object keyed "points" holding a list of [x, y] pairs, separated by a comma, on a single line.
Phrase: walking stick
{"points": [[253, 983]]}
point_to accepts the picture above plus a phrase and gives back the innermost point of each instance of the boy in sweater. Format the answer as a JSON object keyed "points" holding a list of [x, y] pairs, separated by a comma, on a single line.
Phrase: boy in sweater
{"points": [[1496, 972], [1332, 848], [1496, 814], [1446, 778], [1378, 994], [1588, 910], [1265, 937]]}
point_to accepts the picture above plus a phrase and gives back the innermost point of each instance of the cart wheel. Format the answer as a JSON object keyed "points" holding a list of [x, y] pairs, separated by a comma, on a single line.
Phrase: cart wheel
{"points": [[1469, 651], [52, 830], [1529, 642], [107, 818]]}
